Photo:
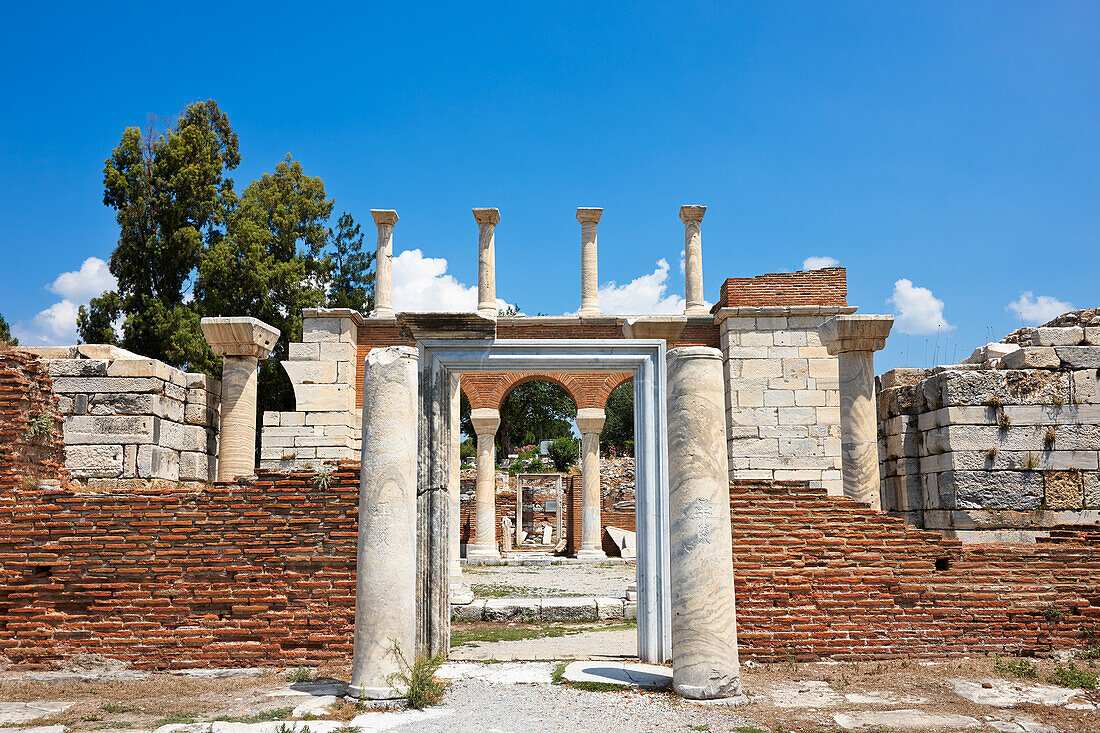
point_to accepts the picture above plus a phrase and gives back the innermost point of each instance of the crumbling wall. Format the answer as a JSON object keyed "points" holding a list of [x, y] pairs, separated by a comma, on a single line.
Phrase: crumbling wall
{"points": [[1002, 447], [128, 418], [31, 448]]}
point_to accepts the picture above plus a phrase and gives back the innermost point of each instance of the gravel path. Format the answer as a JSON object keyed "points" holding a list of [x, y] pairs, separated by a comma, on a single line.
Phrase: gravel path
{"points": [[576, 579]]}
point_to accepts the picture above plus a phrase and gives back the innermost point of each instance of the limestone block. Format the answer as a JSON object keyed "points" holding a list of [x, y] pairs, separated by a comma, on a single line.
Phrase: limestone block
{"points": [[91, 430], [345, 418], [779, 398], [270, 417], [798, 416], [94, 461], [202, 397], [809, 398], [1014, 387], [469, 612], [183, 437], [1016, 437], [750, 398], [789, 338], [310, 372], [783, 352], [1079, 357], [827, 415], [1092, 335], [337, 352], [156, 462], [514, 609], [88, 385], [1052, 336], [324, 330], [788, 384], [121, 403], [303, 352], [140, 368], [336, 453], [195, 380], [569, 609], [783, 431], [747, 352], [197, 466], [610, 609], [754, 416], [756, 338], [1005, 460], [1034, 357], [1091, 488], [345, 372], [324, 397], [762, 368], [1085, 386], [77, 367], [175, 391], [734, 324], [771, 323], [1064, 489], [1019, 490], [292, 419], [199, 415]]}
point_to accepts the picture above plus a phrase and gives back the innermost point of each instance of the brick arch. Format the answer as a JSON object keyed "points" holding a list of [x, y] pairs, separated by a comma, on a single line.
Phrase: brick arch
{"points": [[587, 389], [613, 382]]}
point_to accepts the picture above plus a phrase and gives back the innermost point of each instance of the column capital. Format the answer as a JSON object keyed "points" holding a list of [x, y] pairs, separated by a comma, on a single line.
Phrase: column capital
{"points": [[587, 214], [486, 420], [590, 420], [239, 336], [692, 212], [487, 215], [854, 332], [384, 217]]}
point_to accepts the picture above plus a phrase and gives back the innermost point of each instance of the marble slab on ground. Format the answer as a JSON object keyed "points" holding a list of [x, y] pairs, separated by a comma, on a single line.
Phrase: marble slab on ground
{"points": [[620, 673], [506, 673], [366, 723], [617, 644], [301, 689], [316, 706], [904, 719], [13, 713], [1003, 693], [219, 672]]}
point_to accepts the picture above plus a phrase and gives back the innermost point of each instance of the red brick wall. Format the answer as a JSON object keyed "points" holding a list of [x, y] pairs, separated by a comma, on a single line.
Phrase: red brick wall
{"points": [[26, 392], [828, 286]]}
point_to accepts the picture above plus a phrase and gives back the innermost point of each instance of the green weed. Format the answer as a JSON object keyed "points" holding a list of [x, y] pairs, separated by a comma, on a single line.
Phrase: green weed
{"points": [[421, 686], [1017, 667], [1072, 676]]}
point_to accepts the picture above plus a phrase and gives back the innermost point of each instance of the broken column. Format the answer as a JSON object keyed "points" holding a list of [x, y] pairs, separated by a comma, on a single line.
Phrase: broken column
{"points": [[485, 421], [241, 341], [385, 577], [590, 300], [487, 220], [590, 423], [692, 216], [704, 627], [384, 219], [853, 339]]}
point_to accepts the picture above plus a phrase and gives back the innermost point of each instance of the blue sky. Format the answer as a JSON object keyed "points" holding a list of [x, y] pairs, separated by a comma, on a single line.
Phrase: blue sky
{"points": [[950, 146]]}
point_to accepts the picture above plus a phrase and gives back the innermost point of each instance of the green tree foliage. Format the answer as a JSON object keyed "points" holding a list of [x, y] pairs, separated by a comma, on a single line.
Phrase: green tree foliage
{"points": [[5, 334], [618, 426], [534, 411], [564, 452], [351, 284]]}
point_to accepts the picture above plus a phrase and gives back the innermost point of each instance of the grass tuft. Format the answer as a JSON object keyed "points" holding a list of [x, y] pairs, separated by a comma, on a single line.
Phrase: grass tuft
{"points": [[1017, 667], [301, 674], [421, 686], [1072, 676]]}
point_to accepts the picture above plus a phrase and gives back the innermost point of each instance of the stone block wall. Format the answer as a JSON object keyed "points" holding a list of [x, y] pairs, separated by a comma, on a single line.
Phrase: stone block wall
{"points": [[1000, 448], [326, 425], [782, 388], [127, 417]]}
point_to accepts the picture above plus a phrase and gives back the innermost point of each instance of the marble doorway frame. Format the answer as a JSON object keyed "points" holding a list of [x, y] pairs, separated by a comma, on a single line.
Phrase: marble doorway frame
{"points": [[645, 358]]}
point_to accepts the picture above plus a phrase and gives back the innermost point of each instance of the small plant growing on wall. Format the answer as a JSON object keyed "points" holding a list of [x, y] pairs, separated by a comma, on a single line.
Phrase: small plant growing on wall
{"points": [[1049, 438], [995, 402], [1004, 422], [991, 454], [323, 478], [40, 426], [1031, 462]]}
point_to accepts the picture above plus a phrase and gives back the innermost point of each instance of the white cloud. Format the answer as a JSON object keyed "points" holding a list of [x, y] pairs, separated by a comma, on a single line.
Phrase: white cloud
{"points": [[683, 262], [642, 295], [55, 326], [918, 310], [1037, 310], [817, 263], [88, 282], [422, 284]]}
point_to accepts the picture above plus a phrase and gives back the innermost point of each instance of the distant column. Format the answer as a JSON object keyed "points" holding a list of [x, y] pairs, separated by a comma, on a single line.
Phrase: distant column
{"points": [[385, 572], [590, 299], [854, 339], [692, 216], [590, 422], [241, 342], [385, 220], [486, 421], [487, 220], [704, 627]]}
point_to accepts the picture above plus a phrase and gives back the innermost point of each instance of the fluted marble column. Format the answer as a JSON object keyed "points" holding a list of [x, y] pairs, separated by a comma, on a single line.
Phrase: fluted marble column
{"points": [[853, 339], [385, 574], [241, 342], [460, 593], [590, 300], [385, 220], [486, 421], [692, 216], [487, 220], [590, 423], [704, 626]]}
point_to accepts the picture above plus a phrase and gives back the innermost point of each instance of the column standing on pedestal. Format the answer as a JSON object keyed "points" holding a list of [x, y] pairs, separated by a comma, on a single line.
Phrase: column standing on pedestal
{"points": [[590, 423], [385, 572], [692, 216], [590, 299], [487, 220], [704, 626], [853, 339], [241, 342], [485, 421], [385, 219]]}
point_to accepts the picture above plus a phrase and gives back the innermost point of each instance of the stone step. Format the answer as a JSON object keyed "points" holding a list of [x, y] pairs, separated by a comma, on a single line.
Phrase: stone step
{"points": [[590, 608]]}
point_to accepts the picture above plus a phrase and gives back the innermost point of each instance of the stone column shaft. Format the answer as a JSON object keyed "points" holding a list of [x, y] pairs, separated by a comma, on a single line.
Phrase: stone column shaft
{"points": [[853, 339], [704, 627], [590, 300], [486, 422], [692, 216], [385, 219], [590, 423], [487, 220], [459, 592], [385, 578]]}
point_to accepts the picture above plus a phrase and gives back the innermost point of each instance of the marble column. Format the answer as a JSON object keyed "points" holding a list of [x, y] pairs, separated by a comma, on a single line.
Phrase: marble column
{"points": [[241, 342], [487, 220], [385, 577], [590, 423], [853, 339], [486, 421], [704, 626], [460, 592], [692, 216], [590, 299], [385, 220]]}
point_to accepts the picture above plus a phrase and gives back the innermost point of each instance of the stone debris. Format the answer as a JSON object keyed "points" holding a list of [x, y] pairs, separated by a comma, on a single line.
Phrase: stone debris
{"points": [[507, 673], [366, 723], [316, 706], [805, 694], [891, 719], [650, 676], [884, 698], [626, 540], [23, 712], [1004, 694], [545, 609], [219, 672], [1021, 724]]}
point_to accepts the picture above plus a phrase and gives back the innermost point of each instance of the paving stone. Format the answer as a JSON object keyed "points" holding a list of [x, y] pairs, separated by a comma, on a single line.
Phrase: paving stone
{"points": [[891, 719], [805, 694], [507, 673], [1002, 693], [314, 706], [219, 672], [651, 676], [513, 609], [22, 712]]}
